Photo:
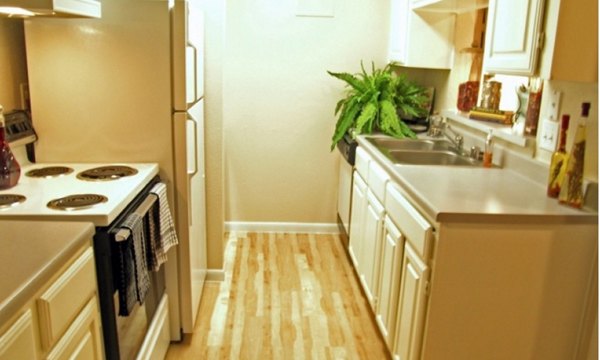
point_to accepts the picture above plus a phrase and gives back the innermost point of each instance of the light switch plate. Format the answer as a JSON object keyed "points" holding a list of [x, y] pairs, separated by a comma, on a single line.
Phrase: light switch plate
{"points": [[548, 135]]}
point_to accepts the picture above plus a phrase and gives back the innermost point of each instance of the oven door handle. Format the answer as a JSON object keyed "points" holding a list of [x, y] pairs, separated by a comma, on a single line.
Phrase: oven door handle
{"points": [[124, 234]]}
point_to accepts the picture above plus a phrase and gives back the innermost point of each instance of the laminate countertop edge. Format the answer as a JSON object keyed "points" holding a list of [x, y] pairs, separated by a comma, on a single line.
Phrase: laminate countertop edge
{"points": [[31, 253]]}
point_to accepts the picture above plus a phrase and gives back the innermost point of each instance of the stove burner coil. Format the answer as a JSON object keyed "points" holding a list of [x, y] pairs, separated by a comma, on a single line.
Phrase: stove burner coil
{"points": [[76, 202], [8, 200], [106, 173], [49, 171]]}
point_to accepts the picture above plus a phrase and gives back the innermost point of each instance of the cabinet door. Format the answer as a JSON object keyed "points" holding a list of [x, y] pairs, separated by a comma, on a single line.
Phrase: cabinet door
{"points": [[392, 249], [420, 39], [411, 306], [357, 216], [18, 342], [513, 36], [371, 248], [399, 10], [64, 299]]}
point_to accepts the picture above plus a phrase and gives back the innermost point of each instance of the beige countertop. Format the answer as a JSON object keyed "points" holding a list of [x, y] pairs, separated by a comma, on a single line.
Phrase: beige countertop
{"points": [[31, 252], [466, 194]]}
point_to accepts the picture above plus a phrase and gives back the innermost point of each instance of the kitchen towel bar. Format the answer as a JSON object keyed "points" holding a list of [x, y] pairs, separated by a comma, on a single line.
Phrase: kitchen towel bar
{"points": [[123, 234]]}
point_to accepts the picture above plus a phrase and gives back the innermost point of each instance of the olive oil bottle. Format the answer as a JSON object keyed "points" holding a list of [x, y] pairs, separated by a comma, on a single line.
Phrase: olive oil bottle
{"points": [[571, 189], [558, 164]]}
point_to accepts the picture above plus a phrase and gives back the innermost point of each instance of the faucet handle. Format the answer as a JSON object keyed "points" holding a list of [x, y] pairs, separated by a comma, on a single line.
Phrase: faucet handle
{"points": [[476, 153]]}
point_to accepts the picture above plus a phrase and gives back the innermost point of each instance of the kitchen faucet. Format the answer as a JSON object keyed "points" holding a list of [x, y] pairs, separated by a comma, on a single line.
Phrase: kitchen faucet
{"points": [[439, 128]]}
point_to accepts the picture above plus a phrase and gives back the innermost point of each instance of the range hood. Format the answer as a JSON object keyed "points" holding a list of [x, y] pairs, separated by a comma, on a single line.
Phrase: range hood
{"points": [[53, 8]]}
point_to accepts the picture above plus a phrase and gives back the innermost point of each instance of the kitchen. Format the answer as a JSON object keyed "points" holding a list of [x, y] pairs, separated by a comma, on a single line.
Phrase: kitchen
{"points": [[301, 102]]}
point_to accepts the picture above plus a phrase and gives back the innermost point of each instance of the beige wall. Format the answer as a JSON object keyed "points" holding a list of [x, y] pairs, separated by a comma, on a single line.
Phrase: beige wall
{"points": [[278, 104], [13, 68]]}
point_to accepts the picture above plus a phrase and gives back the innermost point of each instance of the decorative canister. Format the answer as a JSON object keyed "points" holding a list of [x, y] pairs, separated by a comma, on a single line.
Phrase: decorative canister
{"points": [[490, 95], [467, 95]]}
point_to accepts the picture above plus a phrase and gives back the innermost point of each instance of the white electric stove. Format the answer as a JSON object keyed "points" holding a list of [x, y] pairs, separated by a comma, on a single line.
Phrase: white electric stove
{"points": [[63, 191], [68, 196]]}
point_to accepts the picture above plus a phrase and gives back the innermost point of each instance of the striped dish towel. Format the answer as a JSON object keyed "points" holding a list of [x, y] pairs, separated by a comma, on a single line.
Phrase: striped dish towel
{"points": [[135, 223], [167, 237]]}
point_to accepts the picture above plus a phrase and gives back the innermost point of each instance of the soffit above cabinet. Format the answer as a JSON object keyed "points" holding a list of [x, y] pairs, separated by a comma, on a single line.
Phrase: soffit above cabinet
{"points": [[453, 6], [52, 8]]}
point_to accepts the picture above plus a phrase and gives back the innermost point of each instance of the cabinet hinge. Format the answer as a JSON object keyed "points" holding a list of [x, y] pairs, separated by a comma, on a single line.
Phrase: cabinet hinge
{"points": [[427, 288], [541, 40]]}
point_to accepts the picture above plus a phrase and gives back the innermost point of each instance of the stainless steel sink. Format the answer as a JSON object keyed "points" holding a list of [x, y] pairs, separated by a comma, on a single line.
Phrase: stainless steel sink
{"points": [[430, 158], [422, 152], [410, 144]]}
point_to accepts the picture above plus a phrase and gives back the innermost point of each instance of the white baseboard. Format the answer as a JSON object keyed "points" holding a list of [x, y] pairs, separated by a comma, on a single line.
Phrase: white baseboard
{"points": [[288, 227]]}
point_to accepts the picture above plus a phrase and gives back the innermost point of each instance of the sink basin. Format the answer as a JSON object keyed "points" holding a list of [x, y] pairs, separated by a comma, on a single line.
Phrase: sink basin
{"points": [[430, 158], [410, 144], [421, 152]]}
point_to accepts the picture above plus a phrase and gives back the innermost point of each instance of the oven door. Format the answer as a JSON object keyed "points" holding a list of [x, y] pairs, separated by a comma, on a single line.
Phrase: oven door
{"points": [[133, 330], [136, 328]]}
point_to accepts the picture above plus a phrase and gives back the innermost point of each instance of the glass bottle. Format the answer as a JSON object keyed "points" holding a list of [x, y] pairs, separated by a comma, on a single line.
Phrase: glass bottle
{"points": [[487, 152], [558, 164], [571, 189]]}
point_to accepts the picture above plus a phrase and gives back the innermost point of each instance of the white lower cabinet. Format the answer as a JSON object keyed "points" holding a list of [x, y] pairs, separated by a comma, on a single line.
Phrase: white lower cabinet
{"points": [[477, 286], [369, 258], [392, 250], [357, 215], [62, 320], [389, 245], [412, 303]]}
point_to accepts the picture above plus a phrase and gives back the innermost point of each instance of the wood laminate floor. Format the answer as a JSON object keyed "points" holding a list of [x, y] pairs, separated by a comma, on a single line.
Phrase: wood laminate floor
{"points": [[285, 296]]}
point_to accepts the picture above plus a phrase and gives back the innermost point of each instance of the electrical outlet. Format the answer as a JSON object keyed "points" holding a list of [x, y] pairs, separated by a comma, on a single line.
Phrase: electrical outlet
{"points": [[548, 135]]}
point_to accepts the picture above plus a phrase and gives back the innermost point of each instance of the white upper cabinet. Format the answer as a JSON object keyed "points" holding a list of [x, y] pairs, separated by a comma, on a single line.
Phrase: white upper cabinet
{"points": [[420, 39], [457, 6], [513, 36]]}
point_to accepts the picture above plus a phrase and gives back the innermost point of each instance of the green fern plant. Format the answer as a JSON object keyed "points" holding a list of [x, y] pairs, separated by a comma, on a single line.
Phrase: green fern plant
{"points": [[372, 102]]}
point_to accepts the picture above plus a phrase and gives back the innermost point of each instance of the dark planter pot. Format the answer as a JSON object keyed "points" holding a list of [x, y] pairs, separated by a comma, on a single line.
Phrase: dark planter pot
{"points": [[347, 146]]}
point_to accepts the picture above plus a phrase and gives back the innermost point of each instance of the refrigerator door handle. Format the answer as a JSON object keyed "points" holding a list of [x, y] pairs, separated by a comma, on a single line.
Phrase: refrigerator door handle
{"points": [[195, 72], [196, 97], [195, 139]]}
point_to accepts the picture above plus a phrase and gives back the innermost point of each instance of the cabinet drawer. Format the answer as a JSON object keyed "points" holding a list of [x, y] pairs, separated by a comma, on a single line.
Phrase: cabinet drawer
{"points": [[59, 305], [362, 162], [377, 181], [413, 226]]}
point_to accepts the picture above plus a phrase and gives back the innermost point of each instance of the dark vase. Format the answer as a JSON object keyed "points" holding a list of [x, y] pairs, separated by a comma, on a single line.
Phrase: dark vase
{"points": [[10, 171]]}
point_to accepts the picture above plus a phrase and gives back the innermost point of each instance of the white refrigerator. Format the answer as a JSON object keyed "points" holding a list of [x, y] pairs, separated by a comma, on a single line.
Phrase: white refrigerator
{"points": [[129, 88]]}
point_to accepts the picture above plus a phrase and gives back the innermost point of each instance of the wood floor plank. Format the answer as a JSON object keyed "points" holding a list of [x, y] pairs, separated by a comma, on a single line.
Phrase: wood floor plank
{"points": [[285, 296]]}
